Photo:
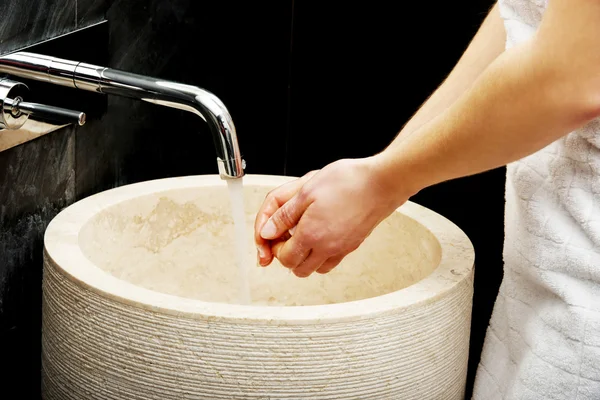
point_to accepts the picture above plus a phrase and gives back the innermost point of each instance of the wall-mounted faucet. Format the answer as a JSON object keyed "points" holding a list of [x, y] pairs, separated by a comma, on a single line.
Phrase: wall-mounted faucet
{"points": [[93, 78], [15, 111]]}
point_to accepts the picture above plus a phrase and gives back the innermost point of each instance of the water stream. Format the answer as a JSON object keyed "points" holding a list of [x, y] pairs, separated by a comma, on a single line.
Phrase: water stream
{"points": [[236, 195]]}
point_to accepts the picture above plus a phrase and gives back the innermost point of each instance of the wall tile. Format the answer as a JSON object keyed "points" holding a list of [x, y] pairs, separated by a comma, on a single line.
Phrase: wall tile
{"points": [[90, 12], [238, 51], [127, 141], [37, 179], [25, 22]]}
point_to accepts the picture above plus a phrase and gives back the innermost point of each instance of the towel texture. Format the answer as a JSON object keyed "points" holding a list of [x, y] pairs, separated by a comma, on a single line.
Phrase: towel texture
{"points": [[543, 341]]}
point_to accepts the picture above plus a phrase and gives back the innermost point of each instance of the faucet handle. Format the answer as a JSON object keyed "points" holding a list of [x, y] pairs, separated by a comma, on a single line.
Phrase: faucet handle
{"points": [[49, 112], [14, 112]]}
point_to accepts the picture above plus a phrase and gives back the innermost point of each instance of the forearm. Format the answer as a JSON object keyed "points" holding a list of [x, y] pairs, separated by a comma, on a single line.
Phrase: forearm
{"points": [[522, 102], [488, 43]]}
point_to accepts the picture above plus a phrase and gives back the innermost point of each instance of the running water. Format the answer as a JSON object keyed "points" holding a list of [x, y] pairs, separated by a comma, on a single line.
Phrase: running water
{"points": [[236, 196]]}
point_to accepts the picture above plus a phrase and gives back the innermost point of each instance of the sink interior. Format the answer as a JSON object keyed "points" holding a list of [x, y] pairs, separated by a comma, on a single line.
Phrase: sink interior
{"points": [[180, 242]]}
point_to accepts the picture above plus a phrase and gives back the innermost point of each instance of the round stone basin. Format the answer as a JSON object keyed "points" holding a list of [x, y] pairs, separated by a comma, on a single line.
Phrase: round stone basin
{"points": [[141, 300]]}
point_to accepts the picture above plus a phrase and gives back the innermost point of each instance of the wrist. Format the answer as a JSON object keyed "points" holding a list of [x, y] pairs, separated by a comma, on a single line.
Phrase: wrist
{"points": [[392, 178]]}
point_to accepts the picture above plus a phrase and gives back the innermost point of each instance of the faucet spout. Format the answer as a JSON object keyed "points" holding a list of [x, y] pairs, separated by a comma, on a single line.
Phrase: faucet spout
{"points": [[110, 81]]}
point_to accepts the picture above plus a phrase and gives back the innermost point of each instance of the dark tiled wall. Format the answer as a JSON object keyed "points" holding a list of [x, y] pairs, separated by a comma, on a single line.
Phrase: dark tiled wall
{"points": [[239, 52], [25, 22], [37, 181], [344, 86]]}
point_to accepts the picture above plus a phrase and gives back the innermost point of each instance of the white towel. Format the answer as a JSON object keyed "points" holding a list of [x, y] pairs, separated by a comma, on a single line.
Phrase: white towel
{"points": [[543, 341]]}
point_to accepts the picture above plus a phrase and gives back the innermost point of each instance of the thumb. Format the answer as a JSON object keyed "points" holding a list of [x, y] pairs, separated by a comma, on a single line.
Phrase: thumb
{"points": [[284, 219]]}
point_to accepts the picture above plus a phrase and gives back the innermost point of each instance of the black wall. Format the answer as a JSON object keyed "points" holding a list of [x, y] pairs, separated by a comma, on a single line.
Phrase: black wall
{"points": [[306, 82], [359, 71], [26, 22]]}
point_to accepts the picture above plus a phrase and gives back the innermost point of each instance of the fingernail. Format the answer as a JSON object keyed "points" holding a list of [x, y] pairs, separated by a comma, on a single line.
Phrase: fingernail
{"points": [[269, 230], [291, 231], [261, 252]]}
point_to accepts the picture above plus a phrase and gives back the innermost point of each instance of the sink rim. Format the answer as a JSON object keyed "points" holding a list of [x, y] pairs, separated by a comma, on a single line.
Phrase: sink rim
{"points": [[61, 248]]}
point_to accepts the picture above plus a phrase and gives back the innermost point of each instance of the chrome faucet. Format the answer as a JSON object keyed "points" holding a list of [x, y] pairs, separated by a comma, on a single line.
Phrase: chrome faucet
{"points": [[98, 79]]}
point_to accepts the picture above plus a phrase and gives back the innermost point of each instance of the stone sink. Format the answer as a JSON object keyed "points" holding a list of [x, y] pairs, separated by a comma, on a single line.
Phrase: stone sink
{"points": [[141, 301]]}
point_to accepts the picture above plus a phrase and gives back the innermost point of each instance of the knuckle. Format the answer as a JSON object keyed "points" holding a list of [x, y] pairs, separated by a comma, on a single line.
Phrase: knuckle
{"points": [[317, 236], [324, 270], [273, 195], [313, 237], [302, 272], [270, 195], [354, 246], [291, 258], [336, 262], [303, 195], [333, 246], [286, 260], [311, 173], [285, 217], [330, 265]]}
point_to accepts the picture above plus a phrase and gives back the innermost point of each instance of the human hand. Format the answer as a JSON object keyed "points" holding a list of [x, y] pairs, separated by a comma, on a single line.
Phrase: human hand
{"points": [[330, 212]]}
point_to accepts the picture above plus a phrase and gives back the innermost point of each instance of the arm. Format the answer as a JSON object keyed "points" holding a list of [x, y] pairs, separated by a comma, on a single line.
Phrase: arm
{"points": [[527, 98], [488, 43]]}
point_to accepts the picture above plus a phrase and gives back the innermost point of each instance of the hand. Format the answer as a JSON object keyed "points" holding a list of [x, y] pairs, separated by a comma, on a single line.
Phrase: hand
{"points": [[329, 212], [274, 200]]}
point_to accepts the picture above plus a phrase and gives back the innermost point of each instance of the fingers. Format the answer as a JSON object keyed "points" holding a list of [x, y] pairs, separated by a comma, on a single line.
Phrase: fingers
{"points": [[329, 265], [304, 261], [316, 262], [290, 253], [285, 218], [274, 200], [310, 265]]}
